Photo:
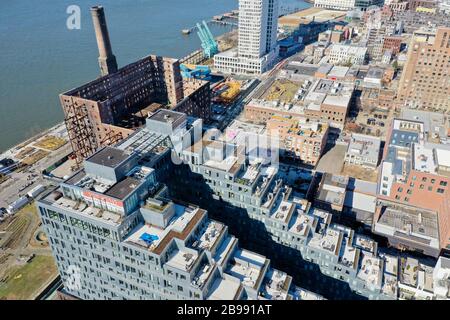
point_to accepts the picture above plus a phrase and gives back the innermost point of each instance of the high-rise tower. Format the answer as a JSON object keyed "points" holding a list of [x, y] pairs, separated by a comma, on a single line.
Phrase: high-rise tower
{"points": [[106, 59], [425, 80], [257, 41], [257, 27]]}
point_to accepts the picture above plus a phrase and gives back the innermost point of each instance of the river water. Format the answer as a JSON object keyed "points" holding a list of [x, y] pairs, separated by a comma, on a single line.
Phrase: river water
{"points": [[40, 57]]}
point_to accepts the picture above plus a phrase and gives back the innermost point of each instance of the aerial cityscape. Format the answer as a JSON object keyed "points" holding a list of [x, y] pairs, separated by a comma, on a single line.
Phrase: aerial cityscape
{"points": [[258, 150]]}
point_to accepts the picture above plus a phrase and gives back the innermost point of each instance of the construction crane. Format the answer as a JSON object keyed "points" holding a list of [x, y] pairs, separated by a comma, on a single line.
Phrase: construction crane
{"points": [[209, 44], [195, 71]]}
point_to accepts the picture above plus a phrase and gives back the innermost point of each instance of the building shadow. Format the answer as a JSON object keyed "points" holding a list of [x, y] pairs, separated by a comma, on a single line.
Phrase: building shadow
{"points": [[253, 235]]}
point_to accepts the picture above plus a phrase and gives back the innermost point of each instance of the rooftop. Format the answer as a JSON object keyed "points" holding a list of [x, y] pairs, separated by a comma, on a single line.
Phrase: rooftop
{"points": [[338, 72], [415, 274], [348, 255], [332, 189], [302, 225], [329, 92], [57, 199], [365, 146], [123, 188], [415, 224], [329, 241], [283, 211], [209, 235], [145, 142], [276, 285], [167, 116], [248, 267], [302, 294], [109, 157], [182, 260], [224, 289], [370, 270], [180, 226], [365, 243]]}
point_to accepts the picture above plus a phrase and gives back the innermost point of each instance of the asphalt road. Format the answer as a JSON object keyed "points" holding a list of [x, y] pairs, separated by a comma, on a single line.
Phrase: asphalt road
{"points": [[22, 182]]}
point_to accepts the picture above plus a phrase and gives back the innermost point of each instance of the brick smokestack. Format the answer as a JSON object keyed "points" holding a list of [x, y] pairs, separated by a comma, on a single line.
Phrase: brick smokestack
{"points": [[106, 59]]}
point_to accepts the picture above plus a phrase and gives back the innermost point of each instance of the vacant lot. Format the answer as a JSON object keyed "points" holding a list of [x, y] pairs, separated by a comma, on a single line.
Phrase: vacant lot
{"points": [[359, 172], [35, 157], [283, 90], [332, 160], [22, 238], [25, 282], [50, 143]]}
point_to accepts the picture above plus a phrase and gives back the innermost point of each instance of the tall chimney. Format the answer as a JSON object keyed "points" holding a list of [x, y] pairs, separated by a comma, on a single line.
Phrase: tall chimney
{"points": [[106, 59]]}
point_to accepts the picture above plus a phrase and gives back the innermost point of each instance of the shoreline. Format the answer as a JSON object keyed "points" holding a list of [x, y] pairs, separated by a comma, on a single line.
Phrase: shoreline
{"points": [[29, 140], [9, 151]]}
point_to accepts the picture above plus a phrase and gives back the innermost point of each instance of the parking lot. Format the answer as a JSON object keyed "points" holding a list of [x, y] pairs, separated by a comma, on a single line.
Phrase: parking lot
{"points": [[374, 123]]}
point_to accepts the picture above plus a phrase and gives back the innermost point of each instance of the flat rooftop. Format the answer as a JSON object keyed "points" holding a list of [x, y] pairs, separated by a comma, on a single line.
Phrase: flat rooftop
{"points": [[248, 267], [144, 141], [348, 255], [167, 116], [302, 294], [302, 225], [411, 222], [283, 211], [301, 69], [423, 159], [224, 289], [182, 260], [416, 274], [338, 72], [363, 145], [329, 241], [123, 188], [311, 14], [365, 243], [276, 285], [209, 235], [370, 270], [329, 92], [109, 157], [180, 226], [332, 189], [55, 198]]}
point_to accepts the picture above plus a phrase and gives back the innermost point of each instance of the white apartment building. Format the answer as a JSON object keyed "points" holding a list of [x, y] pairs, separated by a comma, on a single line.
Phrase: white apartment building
{"points": [[363, 151], [344, 53], [257, 39], [344, 5]]}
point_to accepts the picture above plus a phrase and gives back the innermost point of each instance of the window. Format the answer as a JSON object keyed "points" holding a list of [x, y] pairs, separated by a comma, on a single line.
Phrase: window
{"points": [[443, 183], [440, 190]]}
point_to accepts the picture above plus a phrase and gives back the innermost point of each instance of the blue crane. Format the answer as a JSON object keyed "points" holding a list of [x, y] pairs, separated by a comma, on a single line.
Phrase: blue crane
{"points": [[209, 44]]}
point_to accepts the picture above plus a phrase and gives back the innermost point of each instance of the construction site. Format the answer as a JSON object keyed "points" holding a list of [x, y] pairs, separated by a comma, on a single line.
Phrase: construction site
{"points": [[227, 91], [111, 107]]}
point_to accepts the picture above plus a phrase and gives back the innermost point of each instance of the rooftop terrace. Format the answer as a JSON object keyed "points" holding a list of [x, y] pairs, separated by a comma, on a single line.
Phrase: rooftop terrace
{"points": [[248, 267], [330, 241], [371, 270]]}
